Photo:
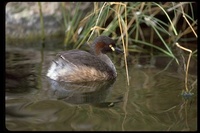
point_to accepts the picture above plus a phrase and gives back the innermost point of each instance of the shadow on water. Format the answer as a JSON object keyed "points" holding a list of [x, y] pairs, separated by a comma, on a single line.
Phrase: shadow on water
{"points": [[152, 102]]}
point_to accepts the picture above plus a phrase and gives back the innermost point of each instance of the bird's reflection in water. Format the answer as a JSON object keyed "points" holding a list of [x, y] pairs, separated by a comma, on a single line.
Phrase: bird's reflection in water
{"points": [[94, 93]]}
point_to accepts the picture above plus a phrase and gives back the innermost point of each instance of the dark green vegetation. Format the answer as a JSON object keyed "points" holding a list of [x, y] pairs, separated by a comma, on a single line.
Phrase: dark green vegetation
{"points": [[139, 26]]}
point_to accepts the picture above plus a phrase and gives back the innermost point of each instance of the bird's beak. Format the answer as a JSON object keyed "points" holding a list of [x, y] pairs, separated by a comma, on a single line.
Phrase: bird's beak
{"points": [[118, 50]]}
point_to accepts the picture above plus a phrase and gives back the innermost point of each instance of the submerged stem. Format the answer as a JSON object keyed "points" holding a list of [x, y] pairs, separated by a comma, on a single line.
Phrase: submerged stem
{"points": [[187, 67]]}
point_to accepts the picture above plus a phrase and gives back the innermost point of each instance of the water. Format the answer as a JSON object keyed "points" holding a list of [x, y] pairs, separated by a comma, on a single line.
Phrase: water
{"points": [[152, 102]]}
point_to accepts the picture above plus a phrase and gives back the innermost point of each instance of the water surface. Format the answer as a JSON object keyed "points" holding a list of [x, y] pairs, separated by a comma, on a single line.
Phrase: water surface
{"points": [[152, 102]]}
